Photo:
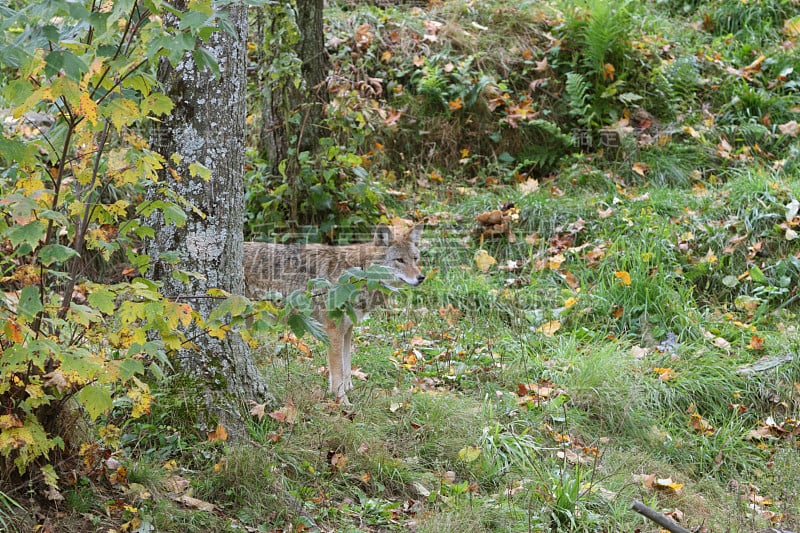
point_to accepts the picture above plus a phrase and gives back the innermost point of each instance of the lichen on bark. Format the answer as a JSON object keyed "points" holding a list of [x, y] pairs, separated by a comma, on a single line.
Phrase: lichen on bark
{"points": [[209, 129]]}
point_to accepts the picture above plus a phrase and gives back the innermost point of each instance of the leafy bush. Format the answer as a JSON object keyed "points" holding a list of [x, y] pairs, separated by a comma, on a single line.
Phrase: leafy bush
{"points": [[78, 320]]}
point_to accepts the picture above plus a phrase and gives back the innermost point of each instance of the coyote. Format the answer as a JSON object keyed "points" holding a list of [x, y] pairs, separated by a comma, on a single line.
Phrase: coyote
{"points": [[284, 268]]}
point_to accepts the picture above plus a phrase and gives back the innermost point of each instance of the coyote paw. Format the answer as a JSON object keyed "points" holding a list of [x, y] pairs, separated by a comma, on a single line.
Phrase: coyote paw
{"points": [[343, 401]]}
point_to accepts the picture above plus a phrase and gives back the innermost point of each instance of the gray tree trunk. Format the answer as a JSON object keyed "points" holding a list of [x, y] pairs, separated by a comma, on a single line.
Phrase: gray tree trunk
{"points": [[207, 126], [282, 100], [311, 51]]}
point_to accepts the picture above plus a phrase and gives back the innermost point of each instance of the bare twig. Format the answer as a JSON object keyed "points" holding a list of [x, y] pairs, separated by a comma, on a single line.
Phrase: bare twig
{"points": [[658, 518]]}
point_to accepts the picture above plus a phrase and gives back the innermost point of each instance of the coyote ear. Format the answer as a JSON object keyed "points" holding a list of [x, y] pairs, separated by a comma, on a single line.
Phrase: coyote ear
{"points": [[416, 233], [383, 235]]}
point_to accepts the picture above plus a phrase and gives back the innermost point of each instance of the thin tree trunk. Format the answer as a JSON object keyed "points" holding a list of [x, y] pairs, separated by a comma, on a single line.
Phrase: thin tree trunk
{"points": [[207, 126], [311, 51], [292, 115]]}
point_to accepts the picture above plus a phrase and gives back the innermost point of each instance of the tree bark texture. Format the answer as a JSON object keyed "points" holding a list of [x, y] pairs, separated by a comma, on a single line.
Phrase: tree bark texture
{"points": [[207, 126], [281, 99], [311, 51]]}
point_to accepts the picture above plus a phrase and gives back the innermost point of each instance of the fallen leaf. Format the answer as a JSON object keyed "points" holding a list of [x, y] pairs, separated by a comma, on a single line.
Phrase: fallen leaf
{"points": [[664, 374], [421, 489], [554, 262], [219, 433], [789, 128], [623, 277], [484, 260], [605, 213], [528, 186], [572, 457], [756, 343], [257, 409], [700, 424], [490, 218], [469, 454], [755, 66], [637, 352], [287, 413], [456, 104], [338, 461], [194, 503], [791, 27], [647, 480], [53, 494], [548, 329], [571, 280], [691, 131], [667, 484], [640, 168]]}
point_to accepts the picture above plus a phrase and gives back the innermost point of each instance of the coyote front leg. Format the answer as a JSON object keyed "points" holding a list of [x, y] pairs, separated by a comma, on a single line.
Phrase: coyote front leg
{"points": [[336, 352], [347, 354]]}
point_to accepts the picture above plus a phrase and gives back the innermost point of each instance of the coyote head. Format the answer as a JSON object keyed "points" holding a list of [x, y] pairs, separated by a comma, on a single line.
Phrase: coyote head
{"points": [[400, 253]]}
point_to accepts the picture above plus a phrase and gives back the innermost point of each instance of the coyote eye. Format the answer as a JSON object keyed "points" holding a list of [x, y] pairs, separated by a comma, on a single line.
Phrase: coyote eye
{"points": [[401, 260]]}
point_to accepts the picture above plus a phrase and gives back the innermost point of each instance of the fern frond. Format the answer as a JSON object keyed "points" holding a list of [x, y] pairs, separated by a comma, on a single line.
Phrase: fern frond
{"points": [[578, 99], [549, 146], [604, 33]]}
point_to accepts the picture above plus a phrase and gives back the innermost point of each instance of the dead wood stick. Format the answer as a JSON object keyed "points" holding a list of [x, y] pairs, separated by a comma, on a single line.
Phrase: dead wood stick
{"points": [[658, 518]]}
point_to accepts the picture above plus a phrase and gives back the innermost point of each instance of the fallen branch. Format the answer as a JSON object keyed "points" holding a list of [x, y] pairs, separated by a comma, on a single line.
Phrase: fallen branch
{"points": [[658, 518]]}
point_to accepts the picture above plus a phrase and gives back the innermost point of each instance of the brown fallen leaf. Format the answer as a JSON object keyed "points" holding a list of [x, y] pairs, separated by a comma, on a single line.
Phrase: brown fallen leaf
{"points": [[700, 424], [219, 433], [257, 409], [287, 413], [338, 461], [194, 503]]}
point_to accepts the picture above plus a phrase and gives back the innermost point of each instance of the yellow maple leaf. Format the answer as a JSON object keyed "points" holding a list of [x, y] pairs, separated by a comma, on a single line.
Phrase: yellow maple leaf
{"points": [[553, 263], [484, 260], [548, 329], [88, 108], [640, 168], [141, 398], [623, 277], [664, 374]]}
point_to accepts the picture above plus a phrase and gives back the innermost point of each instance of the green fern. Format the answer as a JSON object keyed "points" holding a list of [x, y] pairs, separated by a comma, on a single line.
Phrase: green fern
{"points": [[432, 87], [604, 35], [675, 84], [549, 144], [579, 99]]}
